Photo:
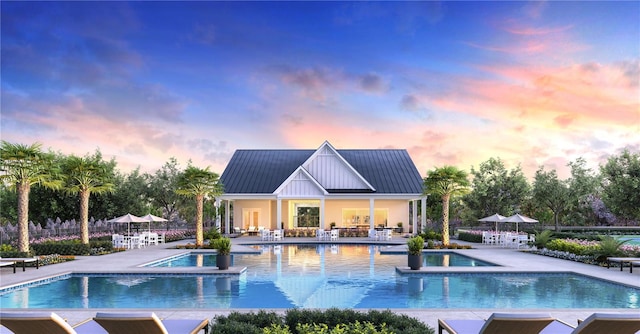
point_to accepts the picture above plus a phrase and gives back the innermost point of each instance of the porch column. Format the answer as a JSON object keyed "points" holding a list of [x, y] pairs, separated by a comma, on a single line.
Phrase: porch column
{"points": [[372, 223], [415, 217], [423, 214], [322, 223], [279, 214], [227, 216], [217, 206]]}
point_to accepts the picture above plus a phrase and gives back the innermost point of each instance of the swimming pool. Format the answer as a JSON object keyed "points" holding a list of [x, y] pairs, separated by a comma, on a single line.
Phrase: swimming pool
{"points": [[318, 254], [322, 277]]}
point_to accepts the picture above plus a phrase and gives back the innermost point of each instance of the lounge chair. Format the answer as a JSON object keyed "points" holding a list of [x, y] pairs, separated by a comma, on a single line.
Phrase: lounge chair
{"points": [[622, 261], [22, 260], [498, 323], [7, 264], [46, 322], [148, 323], [597, 323]]}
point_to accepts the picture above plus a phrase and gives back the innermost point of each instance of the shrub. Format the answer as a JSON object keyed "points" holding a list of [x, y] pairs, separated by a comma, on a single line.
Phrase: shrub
{"points": [[66, 247], [471, 237], [213, 233], [542, 238], [415, 245], [608, 247], [329, 321]]}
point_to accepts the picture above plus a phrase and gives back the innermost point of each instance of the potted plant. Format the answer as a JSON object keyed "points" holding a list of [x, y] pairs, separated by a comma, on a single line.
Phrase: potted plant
{"points": [[223, 258], [399, 230], [414, 250]]}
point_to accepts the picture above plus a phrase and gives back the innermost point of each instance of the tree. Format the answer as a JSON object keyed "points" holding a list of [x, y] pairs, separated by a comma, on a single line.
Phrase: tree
{"points": [[583, 191], [161, 188], [621, 185], [496, 190], [199, 183], [22, 166], [83, 176], [446, 182], [551, 192]]}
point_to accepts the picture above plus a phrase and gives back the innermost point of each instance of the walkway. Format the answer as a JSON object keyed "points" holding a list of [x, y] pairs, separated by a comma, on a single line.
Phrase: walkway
{"points": [[509, 259]]}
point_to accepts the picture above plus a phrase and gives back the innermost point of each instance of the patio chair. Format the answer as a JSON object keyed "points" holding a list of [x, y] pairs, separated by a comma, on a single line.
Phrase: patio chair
{"points": [[335, 234], [7, 264], [46, 322], [498, 323], [21, 260], [148, 323], [596, 323]]}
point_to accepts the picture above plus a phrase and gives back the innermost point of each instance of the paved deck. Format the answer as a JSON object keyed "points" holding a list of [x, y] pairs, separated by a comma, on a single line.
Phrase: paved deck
{"points": [[508, 259]]}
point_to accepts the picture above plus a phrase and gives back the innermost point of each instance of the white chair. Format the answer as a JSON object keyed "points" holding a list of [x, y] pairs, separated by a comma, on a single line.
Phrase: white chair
{"points": [[152, 239], [335, 234], [161, 238], [373, 234], [277, 235], [320, 234], [388, 234], [118, 241], [265, 234]]}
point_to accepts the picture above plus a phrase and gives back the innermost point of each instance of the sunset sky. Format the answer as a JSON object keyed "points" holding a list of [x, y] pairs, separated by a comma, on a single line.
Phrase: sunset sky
{"points": [[455, 83]]}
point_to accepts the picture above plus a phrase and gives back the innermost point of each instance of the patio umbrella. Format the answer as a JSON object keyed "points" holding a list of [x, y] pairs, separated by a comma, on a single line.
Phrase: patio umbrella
{"points": [[151, 218], [496, 218], [128, 218], [518, 218]]}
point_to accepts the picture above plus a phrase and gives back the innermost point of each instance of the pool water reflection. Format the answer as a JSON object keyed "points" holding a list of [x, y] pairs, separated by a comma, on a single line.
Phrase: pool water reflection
{"points": [[357, 276]]}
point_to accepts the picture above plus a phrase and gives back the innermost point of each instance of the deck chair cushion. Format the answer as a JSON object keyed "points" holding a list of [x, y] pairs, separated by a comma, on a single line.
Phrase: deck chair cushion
{"points": [[148, 323], [516, 323], [618, 323], [35, 322], [499, 323]]}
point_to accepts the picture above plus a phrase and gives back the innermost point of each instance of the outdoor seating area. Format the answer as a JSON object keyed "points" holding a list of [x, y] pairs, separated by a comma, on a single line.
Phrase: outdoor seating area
{"points": [[137, 240], [524, 323], [271, 235], [330, 235], [102, 323], [380, 234], [507, 239]]}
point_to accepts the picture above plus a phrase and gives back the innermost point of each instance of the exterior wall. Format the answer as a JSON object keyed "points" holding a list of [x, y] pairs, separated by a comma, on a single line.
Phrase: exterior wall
{"points": [[261, 205], [397, 210]]}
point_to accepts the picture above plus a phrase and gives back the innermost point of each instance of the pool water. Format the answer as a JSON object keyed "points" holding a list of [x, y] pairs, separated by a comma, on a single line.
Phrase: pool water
{"points": [[323, 277], [318, 253]]}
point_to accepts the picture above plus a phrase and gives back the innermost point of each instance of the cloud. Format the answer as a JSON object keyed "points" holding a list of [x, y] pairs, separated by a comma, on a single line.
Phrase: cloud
{"points": [[372, 82]]}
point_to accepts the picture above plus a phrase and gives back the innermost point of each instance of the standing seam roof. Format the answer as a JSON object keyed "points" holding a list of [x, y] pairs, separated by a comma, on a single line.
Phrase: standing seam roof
{"points": [[263, 171]]}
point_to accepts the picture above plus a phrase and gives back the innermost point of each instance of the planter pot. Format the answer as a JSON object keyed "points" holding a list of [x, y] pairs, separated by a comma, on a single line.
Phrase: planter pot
{"points": [[415, 261], [223, 261]]}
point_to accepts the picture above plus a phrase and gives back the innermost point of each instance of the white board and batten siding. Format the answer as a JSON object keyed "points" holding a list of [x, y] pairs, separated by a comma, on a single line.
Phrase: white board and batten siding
{"points": [[300, 185], [332, 172]]}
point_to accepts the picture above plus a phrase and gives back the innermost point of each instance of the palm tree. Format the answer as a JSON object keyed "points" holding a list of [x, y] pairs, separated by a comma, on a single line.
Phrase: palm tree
{"points": [[22, 166], [84, 176], [445, 182], [199, 183]]}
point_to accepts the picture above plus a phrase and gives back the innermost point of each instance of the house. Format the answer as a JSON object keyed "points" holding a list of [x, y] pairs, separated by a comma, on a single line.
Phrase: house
{"points": [[298, 188]]}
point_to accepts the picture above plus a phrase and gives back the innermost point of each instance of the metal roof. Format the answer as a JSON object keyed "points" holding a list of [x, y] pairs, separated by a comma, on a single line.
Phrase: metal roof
{"points": [[389, 171]]}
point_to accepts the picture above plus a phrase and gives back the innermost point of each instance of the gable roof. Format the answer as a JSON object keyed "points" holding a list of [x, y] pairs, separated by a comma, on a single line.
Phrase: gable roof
{"points": [[388, 171]]}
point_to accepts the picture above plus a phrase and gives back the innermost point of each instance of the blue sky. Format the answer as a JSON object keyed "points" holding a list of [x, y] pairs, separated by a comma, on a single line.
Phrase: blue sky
{"points": [[455, 83]]}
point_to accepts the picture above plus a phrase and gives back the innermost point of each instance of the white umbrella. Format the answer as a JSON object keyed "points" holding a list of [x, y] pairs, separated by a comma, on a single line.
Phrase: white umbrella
{"points": [[128, 218], [151, 218], [518, 218], [493, 218]]}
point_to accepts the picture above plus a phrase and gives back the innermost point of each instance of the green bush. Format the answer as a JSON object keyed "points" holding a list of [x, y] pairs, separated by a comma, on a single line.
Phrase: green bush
{"points": [[66, 247], [471, 237], [334, 319], [609, 247], [431, 235], [213, 233]]}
